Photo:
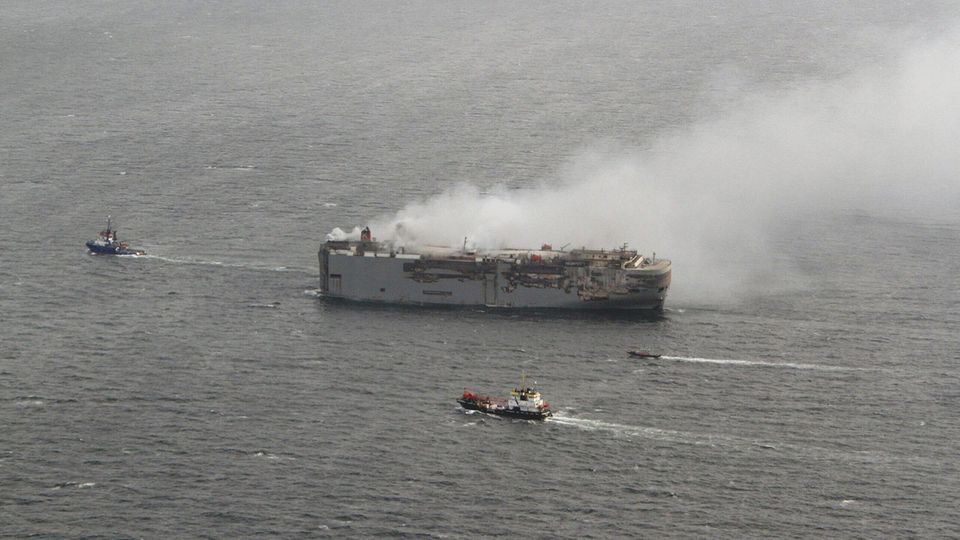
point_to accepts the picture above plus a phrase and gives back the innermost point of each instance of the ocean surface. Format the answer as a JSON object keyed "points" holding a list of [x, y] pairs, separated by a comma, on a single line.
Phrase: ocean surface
{"points": [[208, 390]]}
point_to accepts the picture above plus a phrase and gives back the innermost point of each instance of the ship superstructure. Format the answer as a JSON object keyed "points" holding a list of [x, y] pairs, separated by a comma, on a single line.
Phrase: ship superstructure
{"points": [[367, 270]]}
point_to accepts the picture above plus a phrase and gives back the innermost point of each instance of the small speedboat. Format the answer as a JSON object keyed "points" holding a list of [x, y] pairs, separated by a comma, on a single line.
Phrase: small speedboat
{"points": [[524, 402], [107, 243], [644, 354]]}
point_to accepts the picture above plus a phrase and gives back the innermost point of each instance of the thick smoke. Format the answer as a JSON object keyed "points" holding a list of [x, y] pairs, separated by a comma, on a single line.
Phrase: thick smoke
{"points": [[881, 140]]}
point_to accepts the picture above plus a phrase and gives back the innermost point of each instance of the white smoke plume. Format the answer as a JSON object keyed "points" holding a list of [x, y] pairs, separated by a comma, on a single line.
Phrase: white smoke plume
{"points": [[882, 139]]}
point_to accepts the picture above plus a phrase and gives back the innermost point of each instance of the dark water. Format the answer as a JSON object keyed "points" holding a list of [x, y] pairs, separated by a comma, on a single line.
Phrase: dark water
{"points": [[205, 390]]}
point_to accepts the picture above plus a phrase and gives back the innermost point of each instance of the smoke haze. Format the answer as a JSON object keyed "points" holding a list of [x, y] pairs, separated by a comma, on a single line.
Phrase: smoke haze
{"points": [[883, 139]]}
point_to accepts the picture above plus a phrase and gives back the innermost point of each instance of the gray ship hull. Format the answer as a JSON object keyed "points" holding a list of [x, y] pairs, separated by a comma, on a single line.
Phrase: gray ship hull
{"points": [[359, 272]]}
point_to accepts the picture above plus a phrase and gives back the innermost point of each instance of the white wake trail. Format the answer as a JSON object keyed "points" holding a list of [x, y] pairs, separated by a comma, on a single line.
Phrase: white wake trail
{"points": [[801, 451], [761, 363], [623, 430], [247, 266]]}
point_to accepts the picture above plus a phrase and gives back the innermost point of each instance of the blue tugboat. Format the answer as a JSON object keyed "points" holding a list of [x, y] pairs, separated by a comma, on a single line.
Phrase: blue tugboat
{"points": [[108, 244]]}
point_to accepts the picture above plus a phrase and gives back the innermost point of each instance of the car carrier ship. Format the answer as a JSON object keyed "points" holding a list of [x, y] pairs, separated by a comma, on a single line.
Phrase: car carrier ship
{"points": [[371, 271]]}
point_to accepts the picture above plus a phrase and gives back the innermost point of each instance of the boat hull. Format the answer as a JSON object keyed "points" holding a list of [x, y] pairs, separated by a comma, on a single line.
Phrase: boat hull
{"points": [[107, 249], [480, 282], [509, 413]]}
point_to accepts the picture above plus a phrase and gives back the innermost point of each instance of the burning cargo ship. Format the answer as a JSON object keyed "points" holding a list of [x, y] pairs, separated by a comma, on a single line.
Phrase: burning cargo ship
{"points": [[371, 271]]}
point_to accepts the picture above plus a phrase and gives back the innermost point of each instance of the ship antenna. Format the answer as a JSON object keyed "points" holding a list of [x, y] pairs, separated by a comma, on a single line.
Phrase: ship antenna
{"points": [[464, 244]]}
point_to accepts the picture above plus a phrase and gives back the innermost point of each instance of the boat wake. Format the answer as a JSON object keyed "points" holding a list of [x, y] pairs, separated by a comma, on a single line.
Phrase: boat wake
{"points": [[714, 440], [760, 363], [246, 266], [622, 430]]}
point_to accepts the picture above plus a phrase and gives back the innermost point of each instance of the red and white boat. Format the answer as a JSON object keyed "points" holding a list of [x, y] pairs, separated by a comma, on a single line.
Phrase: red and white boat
{"points": [[524, 402]]}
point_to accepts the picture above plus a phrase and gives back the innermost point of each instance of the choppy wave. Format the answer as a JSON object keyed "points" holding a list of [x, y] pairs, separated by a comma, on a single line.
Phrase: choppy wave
{"points": [[261, 305], [30, 403], [77, 485]]}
